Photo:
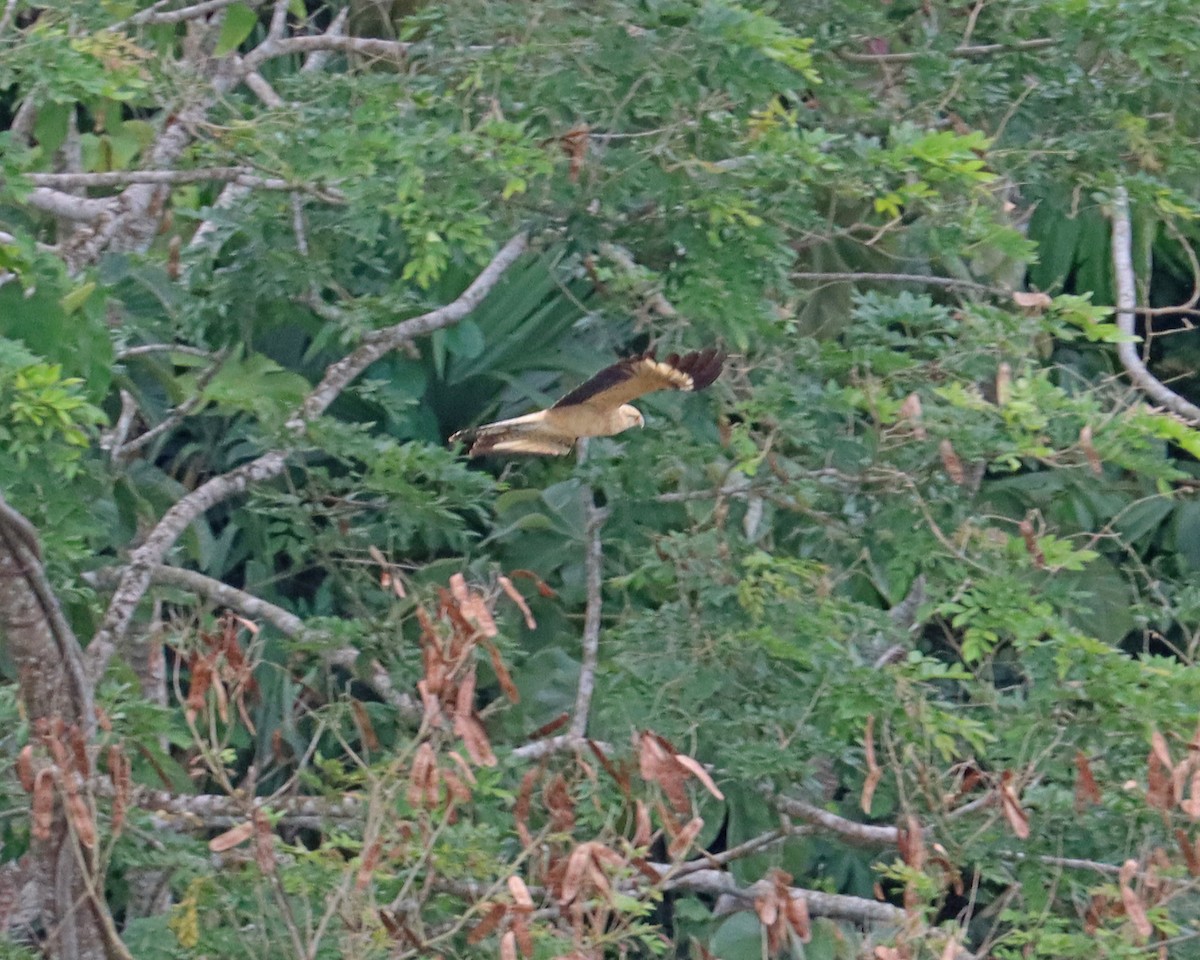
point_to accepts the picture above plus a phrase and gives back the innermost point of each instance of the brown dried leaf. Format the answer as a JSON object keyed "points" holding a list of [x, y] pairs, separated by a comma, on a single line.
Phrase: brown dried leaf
{"points": [[1134, 908], [431, 703], [697, 770], [1032, 546], [423, 778], [479, 748], [684, 839], [559, 805], [80, 762], [366, 729], [81, 819], [472, 606], [767, 908], [1158, 743], [42, 805], [1018, 822], [233, 837], [874, 773], [458, 790], [910, 841], [1191, 806], [910, 411], [264, 843], [578, 862], [519, 892], [542, 587], [1159, 790], [951, 462], [520, 930], [522, 807], [797, 917], [464, 702], [643, 831], [1190, 851], [1033, 300], [467, 772], [548, 728], [1087, 792], [491, 920], [25, 768], [514, 595], [502, 675], [656, 760], [119, 772], [366, 868]]}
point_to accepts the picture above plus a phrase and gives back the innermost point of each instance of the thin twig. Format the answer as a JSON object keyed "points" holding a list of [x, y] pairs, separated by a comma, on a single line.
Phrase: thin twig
{"points": [[902, 278], [156, 13], [145, 348], [594, 518], [1122, 255], [969, 53], [119, 178]]}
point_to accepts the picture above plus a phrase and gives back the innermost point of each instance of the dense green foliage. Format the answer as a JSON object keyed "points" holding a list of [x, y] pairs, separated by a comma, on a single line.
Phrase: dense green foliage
{"points": [[917, 523]]}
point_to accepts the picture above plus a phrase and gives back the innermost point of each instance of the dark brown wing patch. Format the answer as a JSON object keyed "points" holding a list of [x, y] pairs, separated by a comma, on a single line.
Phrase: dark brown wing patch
{"points": [[692, 371]]}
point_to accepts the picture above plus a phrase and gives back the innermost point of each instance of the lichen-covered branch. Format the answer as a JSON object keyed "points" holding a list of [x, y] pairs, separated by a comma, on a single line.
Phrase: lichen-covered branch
{"points": [[1127, 352]]}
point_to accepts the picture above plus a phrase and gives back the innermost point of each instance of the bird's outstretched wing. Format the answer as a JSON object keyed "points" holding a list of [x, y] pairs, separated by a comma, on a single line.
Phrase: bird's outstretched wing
{"points": [[632, 377]]}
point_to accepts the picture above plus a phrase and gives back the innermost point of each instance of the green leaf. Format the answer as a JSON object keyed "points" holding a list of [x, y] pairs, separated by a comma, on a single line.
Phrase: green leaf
{"points": [[239, 21]]}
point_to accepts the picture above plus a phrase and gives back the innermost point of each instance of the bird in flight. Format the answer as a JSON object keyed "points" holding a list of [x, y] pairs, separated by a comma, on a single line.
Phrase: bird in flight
{"points": [[598, 407]]}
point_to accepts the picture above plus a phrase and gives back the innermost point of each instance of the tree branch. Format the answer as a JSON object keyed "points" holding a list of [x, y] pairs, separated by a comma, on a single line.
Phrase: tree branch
{"points": [[964, 52], [331, 42], [865, 834], [136, 577], [594, 564], [850, 277], [155, 13], [337, 28], [1122, 256], [246, 176], [720, 883], [68, 206]]}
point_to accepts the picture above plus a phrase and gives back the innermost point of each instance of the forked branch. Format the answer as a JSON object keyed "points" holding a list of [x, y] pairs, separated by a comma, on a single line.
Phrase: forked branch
{"points": [[1127, 352]]}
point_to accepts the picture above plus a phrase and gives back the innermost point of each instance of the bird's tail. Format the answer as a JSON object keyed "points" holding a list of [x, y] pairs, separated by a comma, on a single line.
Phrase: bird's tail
{"points": [[502, 428]]}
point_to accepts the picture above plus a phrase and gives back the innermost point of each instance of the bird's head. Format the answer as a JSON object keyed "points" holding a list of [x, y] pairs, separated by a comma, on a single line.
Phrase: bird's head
{"points": [[630, 416]]}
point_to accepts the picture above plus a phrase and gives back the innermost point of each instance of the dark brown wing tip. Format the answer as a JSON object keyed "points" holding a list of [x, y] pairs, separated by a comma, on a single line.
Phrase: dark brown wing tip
{"points": [[703, 366]]}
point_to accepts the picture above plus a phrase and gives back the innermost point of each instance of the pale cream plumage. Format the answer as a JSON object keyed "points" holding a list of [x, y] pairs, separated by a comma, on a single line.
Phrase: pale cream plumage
{"points": [[599, 407]]}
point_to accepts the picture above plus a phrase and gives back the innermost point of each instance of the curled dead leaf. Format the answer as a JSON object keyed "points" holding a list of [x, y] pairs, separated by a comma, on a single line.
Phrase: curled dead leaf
{"points": [[874, 773], [519, 892], [232, 837], [1032, 300], [697, 770], [514, 595], [1135, 910]]}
